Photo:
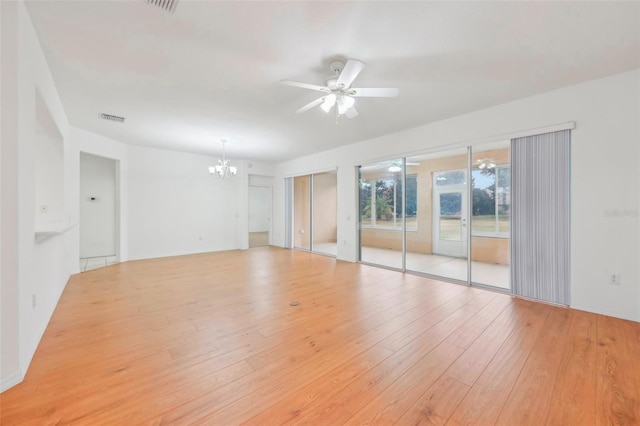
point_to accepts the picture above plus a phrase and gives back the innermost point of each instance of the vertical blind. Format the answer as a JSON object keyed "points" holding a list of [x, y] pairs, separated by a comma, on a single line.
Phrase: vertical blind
{"points": [[540, 202]]}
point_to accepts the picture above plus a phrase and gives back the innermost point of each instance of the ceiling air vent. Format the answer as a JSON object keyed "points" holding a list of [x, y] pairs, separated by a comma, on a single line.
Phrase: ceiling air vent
{"points": [[112, 118], [168, 5]]}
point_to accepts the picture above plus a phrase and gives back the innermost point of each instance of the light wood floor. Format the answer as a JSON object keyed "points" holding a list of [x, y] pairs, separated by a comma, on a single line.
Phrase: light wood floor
{"points": [[212, 339]]}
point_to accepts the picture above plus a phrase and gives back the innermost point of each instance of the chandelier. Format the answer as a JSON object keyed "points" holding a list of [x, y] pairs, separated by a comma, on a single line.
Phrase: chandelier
{"points": [[223, 169]]}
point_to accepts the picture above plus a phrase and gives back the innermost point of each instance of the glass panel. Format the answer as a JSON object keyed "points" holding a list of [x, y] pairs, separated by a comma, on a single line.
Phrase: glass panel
{"points": [[365, 202], [387, 205], [381, 213], [436, 198], [411, 209], [450, 216], [301, 212], [484, 200], [491, 182], [325, 187]]}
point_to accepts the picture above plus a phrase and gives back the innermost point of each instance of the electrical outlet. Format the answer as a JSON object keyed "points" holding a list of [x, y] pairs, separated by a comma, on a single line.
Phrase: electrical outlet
{"points": [[44, 208], [614, 279]]}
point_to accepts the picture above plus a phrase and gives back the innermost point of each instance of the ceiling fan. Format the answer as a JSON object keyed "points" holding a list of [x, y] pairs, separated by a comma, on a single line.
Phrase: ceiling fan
{"points": [[485, 163], [338, 91]]}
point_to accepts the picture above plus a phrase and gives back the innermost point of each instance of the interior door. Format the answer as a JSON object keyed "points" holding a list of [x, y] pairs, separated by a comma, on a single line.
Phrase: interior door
{"points": [[450, 221]]}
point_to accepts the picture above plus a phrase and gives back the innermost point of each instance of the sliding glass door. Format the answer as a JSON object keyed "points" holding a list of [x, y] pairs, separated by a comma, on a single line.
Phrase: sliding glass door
{"points": [[443, 214], [436, 239], [315, 212], [381, 213]]}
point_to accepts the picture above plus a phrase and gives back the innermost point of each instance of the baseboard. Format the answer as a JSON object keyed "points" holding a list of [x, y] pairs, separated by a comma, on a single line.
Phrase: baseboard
{"points": [[605, 312], [11, 381], [181, 253]]}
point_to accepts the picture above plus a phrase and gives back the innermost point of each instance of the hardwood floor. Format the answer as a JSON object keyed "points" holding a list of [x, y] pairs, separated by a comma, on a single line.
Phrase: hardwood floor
{"points": [[212, 339]]}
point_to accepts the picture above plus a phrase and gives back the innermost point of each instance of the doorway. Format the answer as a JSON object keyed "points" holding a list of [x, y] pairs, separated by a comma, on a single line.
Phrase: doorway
{"points": [[259, 216], [98, 217]]}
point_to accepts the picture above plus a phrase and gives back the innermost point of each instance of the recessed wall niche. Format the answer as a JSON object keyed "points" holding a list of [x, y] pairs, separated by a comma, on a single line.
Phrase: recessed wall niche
{"points": [[49, 169]]}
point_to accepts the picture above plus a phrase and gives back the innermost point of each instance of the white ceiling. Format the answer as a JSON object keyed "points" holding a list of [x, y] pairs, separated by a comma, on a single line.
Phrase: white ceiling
{"points": [[211, 70]]}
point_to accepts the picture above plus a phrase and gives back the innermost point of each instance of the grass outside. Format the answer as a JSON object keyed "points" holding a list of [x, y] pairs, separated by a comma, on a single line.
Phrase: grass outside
{"points": [[450, 227], [487, 223]]}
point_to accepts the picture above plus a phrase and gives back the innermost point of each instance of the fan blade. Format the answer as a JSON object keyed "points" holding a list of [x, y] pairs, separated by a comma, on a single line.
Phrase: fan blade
{"points": [[303, 85], [350, 72], [352, 112], [310, 105], [372, 92]]}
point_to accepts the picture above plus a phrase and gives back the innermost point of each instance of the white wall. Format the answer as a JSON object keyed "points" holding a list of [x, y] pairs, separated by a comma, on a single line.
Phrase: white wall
{"points": [[176, 207], [605, 177], [49, 167], [30, 269], [257, 180], [10, 294]]}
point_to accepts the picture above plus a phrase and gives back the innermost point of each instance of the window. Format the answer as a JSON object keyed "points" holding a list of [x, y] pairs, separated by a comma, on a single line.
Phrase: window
{"points": [[381, 202], [491, 201]]}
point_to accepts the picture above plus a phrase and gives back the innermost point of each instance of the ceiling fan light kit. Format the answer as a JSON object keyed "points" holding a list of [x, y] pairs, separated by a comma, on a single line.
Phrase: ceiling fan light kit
{"points": [[338, 90], [486, 164], [329, 102]]}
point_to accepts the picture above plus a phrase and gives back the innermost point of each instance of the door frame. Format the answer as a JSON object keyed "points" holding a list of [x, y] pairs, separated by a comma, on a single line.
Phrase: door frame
{"points": [[117, 204], [450, 248]]}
